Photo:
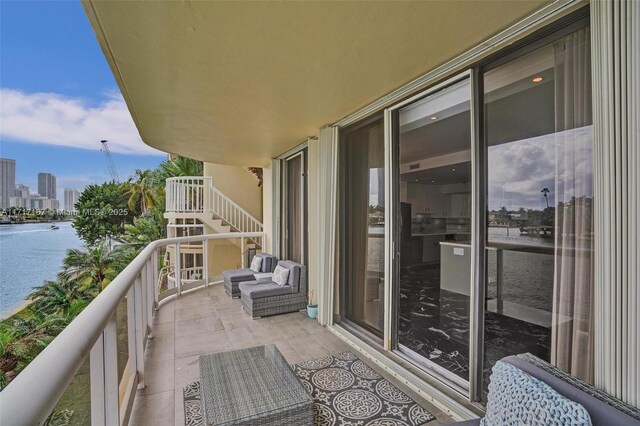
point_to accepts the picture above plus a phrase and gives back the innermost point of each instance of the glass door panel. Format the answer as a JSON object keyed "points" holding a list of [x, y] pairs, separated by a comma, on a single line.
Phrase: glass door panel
{"points": [[539, 135], [434, 152], [362, 224], [294, 208]]}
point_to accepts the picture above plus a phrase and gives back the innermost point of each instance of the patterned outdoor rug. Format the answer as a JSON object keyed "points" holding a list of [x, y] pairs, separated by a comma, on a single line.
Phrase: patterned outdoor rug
{"points": [[346, 391]]}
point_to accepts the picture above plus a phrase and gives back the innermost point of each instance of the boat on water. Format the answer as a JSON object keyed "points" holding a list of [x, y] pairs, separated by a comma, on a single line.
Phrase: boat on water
{"points": [[54, 227]]}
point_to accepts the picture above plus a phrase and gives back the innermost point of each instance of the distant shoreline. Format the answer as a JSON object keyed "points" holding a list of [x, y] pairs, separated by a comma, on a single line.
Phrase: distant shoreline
{"points": [[18, 307], [34, 221]]}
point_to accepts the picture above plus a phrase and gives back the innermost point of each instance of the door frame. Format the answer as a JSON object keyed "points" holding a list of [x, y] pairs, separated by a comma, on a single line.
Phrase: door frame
{"points": [[392, 236], [281, 232]]}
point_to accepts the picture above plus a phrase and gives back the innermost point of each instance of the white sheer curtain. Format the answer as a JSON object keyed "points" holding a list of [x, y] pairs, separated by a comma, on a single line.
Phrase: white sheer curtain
{"points": [[572, 334]]}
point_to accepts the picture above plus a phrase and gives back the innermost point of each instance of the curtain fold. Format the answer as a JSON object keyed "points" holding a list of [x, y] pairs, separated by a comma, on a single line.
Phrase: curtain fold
{"points": [[572, 335]]}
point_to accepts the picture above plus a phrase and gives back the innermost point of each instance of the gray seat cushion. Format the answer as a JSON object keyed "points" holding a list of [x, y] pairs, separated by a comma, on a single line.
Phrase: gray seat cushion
{"points": [[238, 275], [255, 290]]}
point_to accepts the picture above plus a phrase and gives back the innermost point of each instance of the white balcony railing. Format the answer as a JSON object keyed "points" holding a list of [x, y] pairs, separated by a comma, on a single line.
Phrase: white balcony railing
{"points": [[196, 194], [186, 194], [33, 394]]}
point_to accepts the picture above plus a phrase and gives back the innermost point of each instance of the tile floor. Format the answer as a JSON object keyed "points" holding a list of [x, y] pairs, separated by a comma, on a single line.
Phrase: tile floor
{"points": [[207, 321]]}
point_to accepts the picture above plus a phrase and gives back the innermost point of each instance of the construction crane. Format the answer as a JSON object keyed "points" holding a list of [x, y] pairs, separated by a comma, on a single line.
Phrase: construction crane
{"points": [[110, 163]]}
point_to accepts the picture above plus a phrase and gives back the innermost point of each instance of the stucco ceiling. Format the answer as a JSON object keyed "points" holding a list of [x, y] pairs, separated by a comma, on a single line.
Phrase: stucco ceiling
{"points": [[241, 82]]}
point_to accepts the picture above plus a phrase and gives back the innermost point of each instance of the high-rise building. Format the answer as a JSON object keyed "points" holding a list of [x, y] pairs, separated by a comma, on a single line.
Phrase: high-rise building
{"points": [[47, 185], [21, 191], [7, 181], [70, 198]]}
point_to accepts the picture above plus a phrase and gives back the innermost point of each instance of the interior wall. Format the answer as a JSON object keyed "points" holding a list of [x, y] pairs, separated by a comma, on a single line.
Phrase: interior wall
{"points": [[239, 184]]}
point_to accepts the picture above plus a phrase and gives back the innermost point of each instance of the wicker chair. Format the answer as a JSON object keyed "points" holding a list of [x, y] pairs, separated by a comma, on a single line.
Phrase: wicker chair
{"points": [[235, 276], [264, 299]]}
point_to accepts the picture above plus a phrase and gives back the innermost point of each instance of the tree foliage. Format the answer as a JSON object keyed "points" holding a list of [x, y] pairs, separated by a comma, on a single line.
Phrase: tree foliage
{"points": [[131, 214], [103, 211]]}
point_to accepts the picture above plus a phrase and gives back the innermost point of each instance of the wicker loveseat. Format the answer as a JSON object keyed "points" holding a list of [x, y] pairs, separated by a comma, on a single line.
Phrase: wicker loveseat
{"points": [[268, 298], [234, 277]]}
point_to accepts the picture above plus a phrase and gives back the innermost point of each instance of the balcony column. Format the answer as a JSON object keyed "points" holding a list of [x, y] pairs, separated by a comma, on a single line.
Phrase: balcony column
{"points": [[615, 32]]}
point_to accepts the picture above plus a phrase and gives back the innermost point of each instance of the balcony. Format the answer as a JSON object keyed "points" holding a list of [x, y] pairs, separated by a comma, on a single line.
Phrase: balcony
{"points": [[143, 341], [206, 321]]}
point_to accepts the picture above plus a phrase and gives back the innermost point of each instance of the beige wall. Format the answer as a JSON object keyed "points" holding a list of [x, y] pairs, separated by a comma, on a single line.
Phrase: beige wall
{"points": [[239, 184], [267, 209], [223, 255], [242, 187]]}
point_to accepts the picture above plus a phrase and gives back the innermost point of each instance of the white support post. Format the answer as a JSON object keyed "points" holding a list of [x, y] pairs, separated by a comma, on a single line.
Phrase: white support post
{"points": [[131, 330], [156, 289], [143, 281], [148, 284], [139, 320], [105, 409], [178, 270], [242, 252], [205, 262]]}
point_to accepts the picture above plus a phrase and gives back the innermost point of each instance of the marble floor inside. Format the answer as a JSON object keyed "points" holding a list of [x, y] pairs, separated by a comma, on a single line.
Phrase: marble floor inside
{"points": [[434, 323], [206, 321]]}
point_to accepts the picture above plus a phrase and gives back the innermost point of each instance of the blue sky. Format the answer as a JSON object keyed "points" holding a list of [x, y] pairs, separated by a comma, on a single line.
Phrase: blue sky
{"points": [[59, 99]]}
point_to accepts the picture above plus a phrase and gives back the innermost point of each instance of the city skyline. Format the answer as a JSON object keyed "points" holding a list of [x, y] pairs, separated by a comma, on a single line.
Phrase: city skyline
{"points": [[14, 194]]}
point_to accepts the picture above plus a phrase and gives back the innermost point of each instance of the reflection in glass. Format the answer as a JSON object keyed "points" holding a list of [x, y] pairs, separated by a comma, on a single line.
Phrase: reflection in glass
{"points": [[435, 208], [362, 227], [540, 195]]}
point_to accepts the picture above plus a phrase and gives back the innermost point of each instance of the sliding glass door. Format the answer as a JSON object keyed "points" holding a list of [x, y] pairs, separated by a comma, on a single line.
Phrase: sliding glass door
{"points": [[489, 215], [362, 240], [539, 140], [433, 145], [294, 208]]}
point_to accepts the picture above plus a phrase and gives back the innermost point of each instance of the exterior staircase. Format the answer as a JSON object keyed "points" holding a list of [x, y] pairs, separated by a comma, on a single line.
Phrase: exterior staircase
{"points": [[195, 197]]}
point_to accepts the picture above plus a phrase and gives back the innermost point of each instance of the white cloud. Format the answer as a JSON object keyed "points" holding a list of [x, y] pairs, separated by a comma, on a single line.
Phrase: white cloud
{"points": [[559, 161], [53, 119]]}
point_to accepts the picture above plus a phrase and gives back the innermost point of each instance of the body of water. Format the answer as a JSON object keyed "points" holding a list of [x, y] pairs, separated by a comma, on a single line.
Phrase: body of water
{"points": [[29, 255]]}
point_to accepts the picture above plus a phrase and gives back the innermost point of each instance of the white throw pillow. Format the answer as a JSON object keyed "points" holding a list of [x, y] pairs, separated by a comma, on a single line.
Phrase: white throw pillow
{"points": [[280, 275], [256, 264]]}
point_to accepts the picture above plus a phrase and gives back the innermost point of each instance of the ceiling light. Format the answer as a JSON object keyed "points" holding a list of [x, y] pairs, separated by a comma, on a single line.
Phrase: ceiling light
{"points": [[537, 79], [434, 117]]}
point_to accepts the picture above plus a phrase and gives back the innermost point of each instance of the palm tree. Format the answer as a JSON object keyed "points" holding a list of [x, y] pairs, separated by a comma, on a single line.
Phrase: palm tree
{"points": [[140, 192], [180, 166], [545, 191], [93, 267], [60, 296]]}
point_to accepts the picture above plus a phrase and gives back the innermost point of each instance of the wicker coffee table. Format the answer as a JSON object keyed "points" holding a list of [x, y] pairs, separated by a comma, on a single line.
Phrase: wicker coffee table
{"points": [[252, 386]]}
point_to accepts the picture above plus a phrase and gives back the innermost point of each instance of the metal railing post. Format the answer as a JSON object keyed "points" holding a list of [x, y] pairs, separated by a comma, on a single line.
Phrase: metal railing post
{"points": [[140, 332], [148, 284], [143, 280], [499, 278], [105, 409], [156, 277], [178, 269], [205, 262], [131, 330], [242, 251]]}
